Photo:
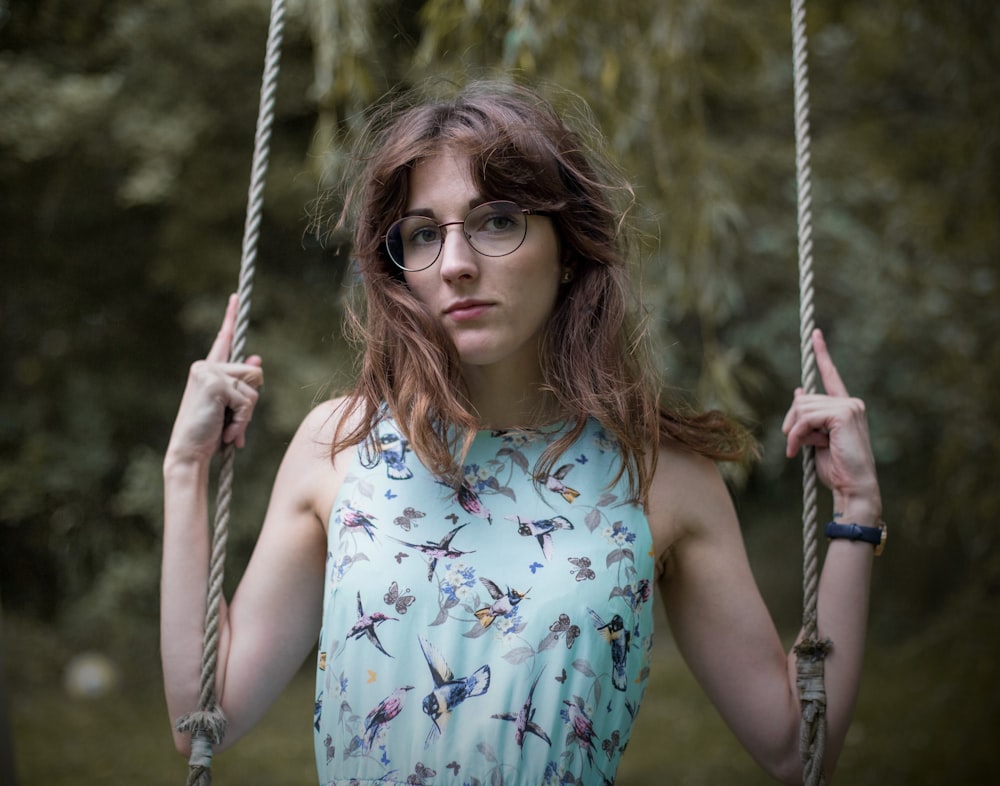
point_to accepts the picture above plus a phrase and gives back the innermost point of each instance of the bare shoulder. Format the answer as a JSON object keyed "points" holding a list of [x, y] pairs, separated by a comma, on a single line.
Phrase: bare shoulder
{"points": [[687, 500], [310, 467]]}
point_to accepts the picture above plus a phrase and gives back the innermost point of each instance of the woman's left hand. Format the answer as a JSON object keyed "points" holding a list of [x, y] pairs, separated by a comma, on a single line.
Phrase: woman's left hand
{"points": [[835, 425]]}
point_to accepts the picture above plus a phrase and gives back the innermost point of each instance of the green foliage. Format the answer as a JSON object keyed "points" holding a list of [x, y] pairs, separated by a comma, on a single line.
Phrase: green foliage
{"points": [[125, 139]]}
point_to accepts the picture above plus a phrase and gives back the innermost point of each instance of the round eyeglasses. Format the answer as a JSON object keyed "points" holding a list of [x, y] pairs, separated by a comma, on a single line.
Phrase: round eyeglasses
{"points": [[493, 229]]}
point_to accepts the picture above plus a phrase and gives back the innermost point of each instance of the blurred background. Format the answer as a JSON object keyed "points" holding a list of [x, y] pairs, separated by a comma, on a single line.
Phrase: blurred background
{"points": [[126, 129]]}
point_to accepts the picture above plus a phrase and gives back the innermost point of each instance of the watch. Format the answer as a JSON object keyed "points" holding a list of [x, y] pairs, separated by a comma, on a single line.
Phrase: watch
{"points": [[875, 535]]}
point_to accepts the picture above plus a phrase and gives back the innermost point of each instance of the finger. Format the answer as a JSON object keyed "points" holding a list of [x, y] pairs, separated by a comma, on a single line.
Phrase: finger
{"points": [[224, 340], [239, 412], [786, 424], [832, 382], [809, 422], [804, 435], [250, 373]]}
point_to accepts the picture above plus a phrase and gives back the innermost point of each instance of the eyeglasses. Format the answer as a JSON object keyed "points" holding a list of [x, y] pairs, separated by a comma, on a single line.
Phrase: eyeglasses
{"points": [[494, 229]]}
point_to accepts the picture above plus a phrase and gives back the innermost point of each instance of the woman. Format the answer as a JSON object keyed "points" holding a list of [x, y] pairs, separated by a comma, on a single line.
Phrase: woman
{"points": [[474, 531]]}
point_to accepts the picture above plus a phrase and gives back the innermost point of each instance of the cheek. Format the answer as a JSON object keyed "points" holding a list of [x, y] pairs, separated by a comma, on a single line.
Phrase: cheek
{"points": [[418, 285]]}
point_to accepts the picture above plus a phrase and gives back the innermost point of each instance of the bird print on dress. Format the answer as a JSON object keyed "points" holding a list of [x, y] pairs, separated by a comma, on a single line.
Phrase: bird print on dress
{"points": [[524, 719], [503, 602], [472, 503], [581, 727], [541, 529], [394, 449], [619, 638], [435, 551], [365, 626], [554, 483], [382, 713], [353, 520], [449, 691], [514, 686]]}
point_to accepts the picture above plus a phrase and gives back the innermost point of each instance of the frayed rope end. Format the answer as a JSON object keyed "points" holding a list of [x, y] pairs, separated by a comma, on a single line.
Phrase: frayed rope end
{"points": [[208, 723], [207, 728]]}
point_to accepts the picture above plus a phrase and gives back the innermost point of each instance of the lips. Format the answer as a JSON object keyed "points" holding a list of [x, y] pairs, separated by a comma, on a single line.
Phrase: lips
{"points": [[467, 309]]}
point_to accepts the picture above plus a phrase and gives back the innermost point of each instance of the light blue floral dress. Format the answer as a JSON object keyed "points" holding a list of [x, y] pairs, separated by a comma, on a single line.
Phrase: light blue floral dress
{"points": [[495, 633]]}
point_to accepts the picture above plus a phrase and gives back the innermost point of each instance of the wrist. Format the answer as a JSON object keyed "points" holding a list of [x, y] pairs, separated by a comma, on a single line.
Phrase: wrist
{"points": [[852, 531], [184, 466], [862, 509]]}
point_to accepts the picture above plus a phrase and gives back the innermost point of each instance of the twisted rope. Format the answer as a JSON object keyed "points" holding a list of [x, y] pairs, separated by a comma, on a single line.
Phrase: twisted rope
{"points": [[810, 651], [208, 725]]}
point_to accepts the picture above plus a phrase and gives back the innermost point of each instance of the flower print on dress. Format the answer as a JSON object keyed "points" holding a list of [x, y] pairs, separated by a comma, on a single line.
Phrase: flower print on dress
{"points": [[459, 579], [478, 479], [619, 535]]}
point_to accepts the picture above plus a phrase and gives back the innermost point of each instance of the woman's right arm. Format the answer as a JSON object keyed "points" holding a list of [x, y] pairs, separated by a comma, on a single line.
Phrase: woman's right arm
{"points": [[273, 620]]}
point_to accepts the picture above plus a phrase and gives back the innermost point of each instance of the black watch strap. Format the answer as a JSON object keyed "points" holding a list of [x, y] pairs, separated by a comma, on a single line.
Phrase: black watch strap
{"points": [[873, 535]]}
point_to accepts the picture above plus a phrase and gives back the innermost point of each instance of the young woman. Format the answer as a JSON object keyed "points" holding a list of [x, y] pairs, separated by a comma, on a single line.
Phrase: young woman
{"points": [[473, 533]]}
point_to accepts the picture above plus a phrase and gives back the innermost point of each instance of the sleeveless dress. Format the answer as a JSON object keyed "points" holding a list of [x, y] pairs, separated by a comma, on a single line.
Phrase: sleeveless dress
{"points": [[499, 633]]}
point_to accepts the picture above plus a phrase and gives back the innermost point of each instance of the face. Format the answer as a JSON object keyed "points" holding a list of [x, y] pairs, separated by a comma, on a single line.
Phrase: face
{"points": [[494, 308]]}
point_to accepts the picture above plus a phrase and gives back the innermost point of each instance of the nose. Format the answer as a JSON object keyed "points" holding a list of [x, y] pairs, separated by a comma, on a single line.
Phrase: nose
{"points": [[458, 258]]}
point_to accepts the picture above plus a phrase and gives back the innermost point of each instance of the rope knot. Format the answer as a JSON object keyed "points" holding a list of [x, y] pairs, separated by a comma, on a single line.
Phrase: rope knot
{"points": [[209, 723], [207, 728], [811, 655]]}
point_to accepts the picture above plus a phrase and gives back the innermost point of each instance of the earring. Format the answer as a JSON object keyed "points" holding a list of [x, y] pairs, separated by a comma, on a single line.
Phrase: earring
{"points": [[567, 275]]}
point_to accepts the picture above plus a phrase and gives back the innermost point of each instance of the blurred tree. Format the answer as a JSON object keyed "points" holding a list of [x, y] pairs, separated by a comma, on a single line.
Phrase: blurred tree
{"points": [[125, 139]]}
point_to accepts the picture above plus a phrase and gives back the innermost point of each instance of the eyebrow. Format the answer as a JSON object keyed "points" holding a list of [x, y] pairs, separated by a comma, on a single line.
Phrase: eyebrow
{"points": [[425, 212]]}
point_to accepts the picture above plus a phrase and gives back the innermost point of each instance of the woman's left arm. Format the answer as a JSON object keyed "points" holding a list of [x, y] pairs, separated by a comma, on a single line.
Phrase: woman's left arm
{"points": [[716, 613], [836, 427]]}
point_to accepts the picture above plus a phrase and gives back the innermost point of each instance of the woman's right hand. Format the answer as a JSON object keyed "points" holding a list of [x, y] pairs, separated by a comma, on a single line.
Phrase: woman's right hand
{"points": [[216, 387]]}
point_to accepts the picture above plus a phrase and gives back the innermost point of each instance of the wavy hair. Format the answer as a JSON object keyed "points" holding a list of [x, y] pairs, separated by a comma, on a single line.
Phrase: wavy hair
{"points": [[594, 352]]}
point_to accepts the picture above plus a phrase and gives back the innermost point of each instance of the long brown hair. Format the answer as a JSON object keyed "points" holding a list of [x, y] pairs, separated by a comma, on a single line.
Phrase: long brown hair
{"points": [[593, 354]]}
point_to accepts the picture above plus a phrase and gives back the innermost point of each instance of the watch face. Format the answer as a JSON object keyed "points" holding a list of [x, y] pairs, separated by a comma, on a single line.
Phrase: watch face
{"points": [[884, 535]]}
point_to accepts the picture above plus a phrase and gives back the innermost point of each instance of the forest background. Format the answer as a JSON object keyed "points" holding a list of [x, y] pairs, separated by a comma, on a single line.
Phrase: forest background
{"points": [[126, 128]]}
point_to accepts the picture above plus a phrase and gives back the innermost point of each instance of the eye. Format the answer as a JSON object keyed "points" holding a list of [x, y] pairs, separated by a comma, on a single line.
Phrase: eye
{"points": [[423, 235], [500, 222], [495, 219]]}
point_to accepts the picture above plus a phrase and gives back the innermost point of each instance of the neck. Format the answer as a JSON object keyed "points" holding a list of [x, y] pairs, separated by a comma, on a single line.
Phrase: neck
{"points": [[509, 397]]}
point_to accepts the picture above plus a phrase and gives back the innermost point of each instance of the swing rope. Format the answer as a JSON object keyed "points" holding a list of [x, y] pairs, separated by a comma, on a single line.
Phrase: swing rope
{"points": [[810, 651], [208, 724]]}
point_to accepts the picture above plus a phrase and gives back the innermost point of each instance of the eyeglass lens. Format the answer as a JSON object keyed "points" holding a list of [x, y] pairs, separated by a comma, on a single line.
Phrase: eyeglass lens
{"points": [[494, 229]]}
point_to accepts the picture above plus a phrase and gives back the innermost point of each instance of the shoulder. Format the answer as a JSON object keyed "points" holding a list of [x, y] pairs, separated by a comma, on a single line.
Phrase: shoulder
{"points": [[311, 469], [688, 502]]}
